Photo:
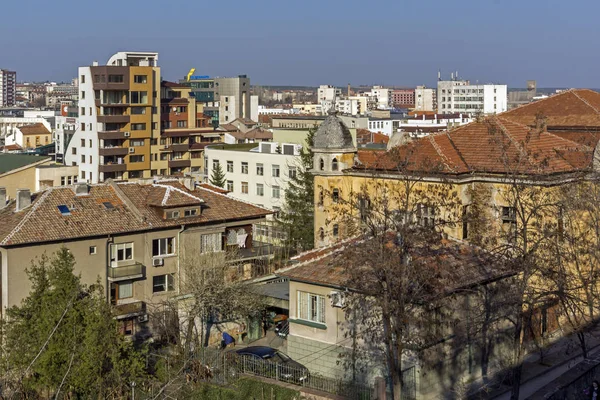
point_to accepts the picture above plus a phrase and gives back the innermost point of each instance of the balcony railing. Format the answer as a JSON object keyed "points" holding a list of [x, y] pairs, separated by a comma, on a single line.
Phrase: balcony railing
{"points": [[112, 168], [179, 163], [114, 151], [126, 272], [116, 119], [129, 310]]}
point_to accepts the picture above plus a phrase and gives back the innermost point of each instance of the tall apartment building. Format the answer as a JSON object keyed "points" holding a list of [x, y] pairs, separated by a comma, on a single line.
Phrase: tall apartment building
{"points": [[119, 117], [328, 93], [461, 96], [425, 99], [8, 88], [224, 99]]}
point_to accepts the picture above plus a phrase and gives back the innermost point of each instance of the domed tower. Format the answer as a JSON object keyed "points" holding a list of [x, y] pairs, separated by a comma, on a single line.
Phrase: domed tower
{"points": [[333, 148], [333, 151]]}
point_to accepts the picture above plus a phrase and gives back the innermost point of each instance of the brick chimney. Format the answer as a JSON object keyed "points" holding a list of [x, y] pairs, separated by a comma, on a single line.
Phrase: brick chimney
{"points": [[23, 199], [81, 189], [2, 197]]}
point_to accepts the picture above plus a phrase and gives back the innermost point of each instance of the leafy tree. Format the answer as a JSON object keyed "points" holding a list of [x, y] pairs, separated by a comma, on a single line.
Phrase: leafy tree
{"points": [[63, 338], [218, 176], [297, 214]]}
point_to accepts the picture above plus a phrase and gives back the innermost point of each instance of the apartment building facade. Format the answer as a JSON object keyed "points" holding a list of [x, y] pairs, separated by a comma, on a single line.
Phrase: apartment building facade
{"points": [[119, 116], [425, 99], [135, 238], [8, 88], [461, 96], [403, 98]]}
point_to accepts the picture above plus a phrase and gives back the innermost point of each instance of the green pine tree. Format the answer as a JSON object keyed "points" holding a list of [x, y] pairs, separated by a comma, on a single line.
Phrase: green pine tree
{"points": [[63, 335], [297, 215], [217, 178]]}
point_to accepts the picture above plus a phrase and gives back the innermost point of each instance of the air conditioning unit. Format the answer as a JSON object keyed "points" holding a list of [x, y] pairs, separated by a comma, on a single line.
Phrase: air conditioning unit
{"points": [[338, 299], [132, 149], [126, 134], [143, 318], [158, 262]]}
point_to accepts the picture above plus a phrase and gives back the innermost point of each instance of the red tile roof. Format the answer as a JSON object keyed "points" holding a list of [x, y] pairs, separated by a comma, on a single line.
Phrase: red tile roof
{"points": [[134, 209], [364, 136], [493, 145]]}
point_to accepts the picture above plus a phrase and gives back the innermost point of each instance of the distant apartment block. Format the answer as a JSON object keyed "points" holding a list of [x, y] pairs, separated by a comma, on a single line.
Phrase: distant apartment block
{"points": [[403, 98], [8, 88], [119, 115], [425, 99], [461, 96], [328, 93]]}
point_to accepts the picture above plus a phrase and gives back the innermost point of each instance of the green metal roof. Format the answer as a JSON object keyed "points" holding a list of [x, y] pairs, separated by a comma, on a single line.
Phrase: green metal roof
{"points": [[9, 162]]}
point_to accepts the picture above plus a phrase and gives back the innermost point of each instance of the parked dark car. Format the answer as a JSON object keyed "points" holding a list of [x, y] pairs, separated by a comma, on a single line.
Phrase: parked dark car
{"points": [[268, 362], [282, 328]]}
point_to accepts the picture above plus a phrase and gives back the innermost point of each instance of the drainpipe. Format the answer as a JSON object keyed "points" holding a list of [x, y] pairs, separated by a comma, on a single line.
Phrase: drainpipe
{"points": [[179, 259], [109, 241]]}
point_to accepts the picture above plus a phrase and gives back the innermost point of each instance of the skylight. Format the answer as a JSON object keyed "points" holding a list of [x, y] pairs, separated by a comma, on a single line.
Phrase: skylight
{"points": [[64, 210], [108, 205]]}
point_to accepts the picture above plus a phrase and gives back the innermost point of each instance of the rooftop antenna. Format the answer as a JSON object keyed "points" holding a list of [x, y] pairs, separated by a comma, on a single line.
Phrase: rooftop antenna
{"points": [[439, 75], [451, 75], [456, 74]]}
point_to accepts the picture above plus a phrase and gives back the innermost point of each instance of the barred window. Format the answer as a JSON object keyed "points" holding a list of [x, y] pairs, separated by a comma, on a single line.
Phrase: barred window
{"points": [[311, 307]]}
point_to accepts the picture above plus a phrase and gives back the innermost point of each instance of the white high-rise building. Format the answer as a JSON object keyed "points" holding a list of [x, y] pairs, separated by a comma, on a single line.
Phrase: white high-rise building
{"points": [[8, 88], [461, 96], [424, 99], [328, 93]]}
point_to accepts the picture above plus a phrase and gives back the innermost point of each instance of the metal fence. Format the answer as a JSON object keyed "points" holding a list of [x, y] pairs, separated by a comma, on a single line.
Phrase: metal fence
{"points": [[228, 367], [409, 384]]}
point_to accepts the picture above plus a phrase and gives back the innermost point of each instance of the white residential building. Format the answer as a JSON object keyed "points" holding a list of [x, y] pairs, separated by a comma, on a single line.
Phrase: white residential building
{"points": [[348, 106], [461, 96], [424, 99], [328, 93], [264, 110], [256, 173], [9, 125], [66, 148]]}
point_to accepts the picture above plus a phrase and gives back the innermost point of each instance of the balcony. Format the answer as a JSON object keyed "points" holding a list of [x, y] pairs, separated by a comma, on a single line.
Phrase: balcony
{"points": [[112, 168], [179, 163], [108, 135], [114, 151], [129, 310], [134, 271], [115, 119], [180, 147]]}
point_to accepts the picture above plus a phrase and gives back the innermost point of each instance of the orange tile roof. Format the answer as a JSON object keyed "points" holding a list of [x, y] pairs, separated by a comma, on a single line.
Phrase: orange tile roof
{"points": [[493, 145], [34, 129], [134, 210], [576, 107], [364, 136]]}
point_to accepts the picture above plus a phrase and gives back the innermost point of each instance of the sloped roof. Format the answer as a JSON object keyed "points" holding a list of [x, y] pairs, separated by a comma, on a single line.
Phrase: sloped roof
{"points": [[333, 134], [493, 145], [133, 210], [10, 162], [364, 136], [571, 108], [34, 129]]}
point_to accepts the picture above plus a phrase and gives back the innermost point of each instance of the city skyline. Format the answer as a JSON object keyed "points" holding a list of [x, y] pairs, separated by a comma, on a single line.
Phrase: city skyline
{"points": [[312, 43]]}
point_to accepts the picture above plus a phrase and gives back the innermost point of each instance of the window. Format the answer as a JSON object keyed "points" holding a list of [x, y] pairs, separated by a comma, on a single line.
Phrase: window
{"points": [[336, 230], [276, 192], [136, 142], [229, 166], [334, 164], [190, 212], [83, 159], [288, 149], [82, 79], [321, 197], [210, 243], [163, 283], [90, 159], [275, 171], [136, 158], [172, 214], [140, 78], [138, 127], [335, 195], [260, 189], [181, 124], [425, 215], [115, 78], [82, 110], [73, 150], [260, 169], [321, 164], [93, 250], [311, 307], [162, 247], [509, 220], [82, 142], [83, 95], [215, 164], [83, 127], [292, 172], [120, 252], [138, 110], [139, 97], [321, 234], [245, 187], [90, 143], [244, 167], [229, 186]]}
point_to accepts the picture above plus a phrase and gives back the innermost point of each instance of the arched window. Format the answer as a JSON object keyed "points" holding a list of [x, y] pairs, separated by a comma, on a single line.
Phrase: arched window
{"points": [[334, 164], [321, 164], [321, 234], [335, 195]]}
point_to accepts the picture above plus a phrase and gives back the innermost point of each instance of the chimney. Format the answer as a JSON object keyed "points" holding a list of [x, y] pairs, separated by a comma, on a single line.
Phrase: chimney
{"points": [[188, 182], [2, 197], [94, 63], [81, 189], [23, 199]]}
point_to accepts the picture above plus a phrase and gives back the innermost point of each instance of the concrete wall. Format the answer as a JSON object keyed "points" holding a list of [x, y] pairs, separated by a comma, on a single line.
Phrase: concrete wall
{"points": [[22, 178]]}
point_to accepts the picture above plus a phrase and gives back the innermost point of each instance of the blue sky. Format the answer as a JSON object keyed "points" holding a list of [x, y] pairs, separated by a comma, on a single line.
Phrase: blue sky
{"points": [[311, 42]]}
